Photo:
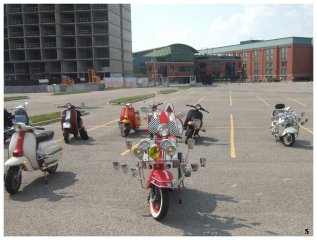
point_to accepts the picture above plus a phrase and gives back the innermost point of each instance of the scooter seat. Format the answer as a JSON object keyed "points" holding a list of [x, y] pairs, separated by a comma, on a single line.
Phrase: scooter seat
{"points": [[44, 136]]}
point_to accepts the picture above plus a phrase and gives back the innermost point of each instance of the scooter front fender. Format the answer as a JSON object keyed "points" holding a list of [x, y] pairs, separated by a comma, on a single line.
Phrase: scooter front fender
{"points": [[290, 130], [161, 178], [66, 125], [16, 161]]}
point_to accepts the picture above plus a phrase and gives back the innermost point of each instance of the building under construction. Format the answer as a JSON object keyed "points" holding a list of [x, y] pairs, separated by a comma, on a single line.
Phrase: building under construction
{"points": [[49, 41]]}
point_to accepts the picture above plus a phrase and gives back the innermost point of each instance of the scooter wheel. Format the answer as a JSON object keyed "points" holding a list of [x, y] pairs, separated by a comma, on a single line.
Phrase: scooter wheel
{"points": [[288, 139], [66, 135], [83, 133], [159, 206], [13, 180]]}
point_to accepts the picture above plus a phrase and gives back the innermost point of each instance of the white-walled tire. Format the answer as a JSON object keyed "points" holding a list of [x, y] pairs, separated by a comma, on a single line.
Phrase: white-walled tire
{"points": [[288, 139], [159, 206]]}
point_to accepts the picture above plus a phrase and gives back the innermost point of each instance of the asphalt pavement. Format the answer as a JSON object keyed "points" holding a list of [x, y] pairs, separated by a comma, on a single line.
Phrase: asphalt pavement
{"points": [[251, 186]]}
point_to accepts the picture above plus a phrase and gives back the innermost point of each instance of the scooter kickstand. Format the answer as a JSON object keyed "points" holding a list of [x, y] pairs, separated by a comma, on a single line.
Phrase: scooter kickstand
{"points": [[45, 177], [179, 195]]}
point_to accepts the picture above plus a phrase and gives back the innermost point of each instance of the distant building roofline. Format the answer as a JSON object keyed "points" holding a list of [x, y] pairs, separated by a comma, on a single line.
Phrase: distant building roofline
{"points": [[253, 44]]}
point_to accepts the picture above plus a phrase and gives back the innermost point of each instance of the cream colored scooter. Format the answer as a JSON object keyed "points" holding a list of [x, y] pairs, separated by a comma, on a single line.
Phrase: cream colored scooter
{"points": [[30, 151]]}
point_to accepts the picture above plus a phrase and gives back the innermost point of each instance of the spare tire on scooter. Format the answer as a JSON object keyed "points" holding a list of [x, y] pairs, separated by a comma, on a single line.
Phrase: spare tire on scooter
{"points": [[83, 133]]}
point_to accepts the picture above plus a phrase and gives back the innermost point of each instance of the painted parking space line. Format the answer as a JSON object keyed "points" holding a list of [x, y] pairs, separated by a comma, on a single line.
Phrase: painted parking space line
{"points": [[230, 101], [88, 130], [202, 98], [294, 100], [127, 151], [232, 146], [307, 129], [262, 100]]}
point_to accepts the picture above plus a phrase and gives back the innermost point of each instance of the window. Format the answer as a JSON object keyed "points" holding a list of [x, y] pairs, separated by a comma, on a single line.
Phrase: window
{"points": [[215, 66], [284, 63], [172, 68], [203, 65], [271, 51], [284, 56]]}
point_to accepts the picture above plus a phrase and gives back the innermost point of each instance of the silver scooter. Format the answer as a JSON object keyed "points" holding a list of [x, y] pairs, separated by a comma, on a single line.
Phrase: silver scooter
{"points": [[285, 124]]}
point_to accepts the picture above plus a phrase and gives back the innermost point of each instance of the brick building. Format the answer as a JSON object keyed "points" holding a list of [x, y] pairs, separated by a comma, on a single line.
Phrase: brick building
{"points": [[289, 59], [174, 62]]}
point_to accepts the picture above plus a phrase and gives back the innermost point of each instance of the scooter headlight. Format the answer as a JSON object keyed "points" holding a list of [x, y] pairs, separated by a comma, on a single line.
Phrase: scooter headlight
{"points": [[170, 150], [68, 105], [138, 152], [154, 152], [163, 130], [17, 127], [144, 144], [168, 147]]}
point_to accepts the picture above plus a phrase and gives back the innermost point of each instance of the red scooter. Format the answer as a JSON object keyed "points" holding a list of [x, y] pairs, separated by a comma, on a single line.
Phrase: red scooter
{"points": [[72, 123], [161, 167], [129, 119]]}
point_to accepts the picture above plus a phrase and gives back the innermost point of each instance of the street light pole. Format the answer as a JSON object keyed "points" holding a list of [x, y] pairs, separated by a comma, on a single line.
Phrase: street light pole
{"points": [[154, 53]]}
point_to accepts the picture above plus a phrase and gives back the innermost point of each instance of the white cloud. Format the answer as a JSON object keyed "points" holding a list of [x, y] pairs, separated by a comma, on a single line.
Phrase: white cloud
{"points": [[263, 22]]}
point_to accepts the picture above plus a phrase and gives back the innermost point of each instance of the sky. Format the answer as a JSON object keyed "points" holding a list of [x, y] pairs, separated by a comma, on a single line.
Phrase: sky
{"points": [[214, 25]]}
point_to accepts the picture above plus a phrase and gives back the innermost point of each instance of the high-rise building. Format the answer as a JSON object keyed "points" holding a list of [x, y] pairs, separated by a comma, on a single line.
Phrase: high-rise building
{"points": [[48, 41]]}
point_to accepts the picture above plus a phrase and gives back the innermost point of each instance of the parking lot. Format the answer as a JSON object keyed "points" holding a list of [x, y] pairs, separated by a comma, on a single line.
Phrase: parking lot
{"points": [[251, 186]]}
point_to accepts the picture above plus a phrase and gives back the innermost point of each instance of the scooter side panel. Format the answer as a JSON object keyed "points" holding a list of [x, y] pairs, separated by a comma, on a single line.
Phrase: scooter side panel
{"points": [[29, 149], [52, 151]]}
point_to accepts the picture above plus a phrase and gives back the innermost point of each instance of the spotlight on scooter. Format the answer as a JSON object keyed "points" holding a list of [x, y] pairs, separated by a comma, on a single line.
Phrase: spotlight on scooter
{"points": [[124, 167], [202, 162], [116, 165], [188, 171], [194, 166], [133, 171]]}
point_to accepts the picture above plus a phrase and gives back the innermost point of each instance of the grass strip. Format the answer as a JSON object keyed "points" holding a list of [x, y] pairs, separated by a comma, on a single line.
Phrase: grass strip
{"points": [[183, 87], [49, 116], [167, 91], [13, 98], [131, 99]]}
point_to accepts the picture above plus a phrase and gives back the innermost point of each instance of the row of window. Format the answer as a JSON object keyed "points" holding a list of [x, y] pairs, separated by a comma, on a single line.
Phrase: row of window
{"points": [[269, 71]]}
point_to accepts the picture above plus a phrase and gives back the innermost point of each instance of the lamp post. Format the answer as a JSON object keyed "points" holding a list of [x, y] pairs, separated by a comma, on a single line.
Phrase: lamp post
{"points": [[154, 53]]}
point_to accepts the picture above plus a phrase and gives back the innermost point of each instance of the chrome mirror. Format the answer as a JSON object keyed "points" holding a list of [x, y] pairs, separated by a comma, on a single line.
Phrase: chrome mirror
{"points": [[133, 171], [128, 144], [116, 165], [194, 166], [124, 167], [180, 115], [203, 162]]}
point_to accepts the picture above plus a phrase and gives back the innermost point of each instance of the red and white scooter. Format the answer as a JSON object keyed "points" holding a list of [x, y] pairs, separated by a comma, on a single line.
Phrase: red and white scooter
{"points": [[161, 167], [30, 151]]}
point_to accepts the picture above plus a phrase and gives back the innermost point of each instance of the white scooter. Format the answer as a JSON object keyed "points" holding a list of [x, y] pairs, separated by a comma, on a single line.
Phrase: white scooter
{"points": [[30, 151]]}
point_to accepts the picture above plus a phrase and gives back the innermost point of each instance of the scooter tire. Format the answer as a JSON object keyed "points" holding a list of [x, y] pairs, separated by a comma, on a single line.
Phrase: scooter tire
{"points": [[12, 180], [189, 134], [159, 207], [52, 169], [83, 133], [126, 130], [288, 139], [66, 135]]}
